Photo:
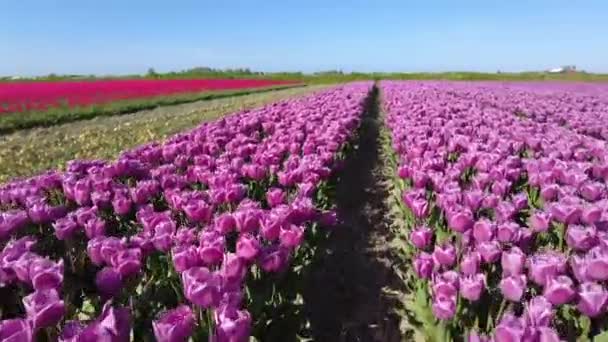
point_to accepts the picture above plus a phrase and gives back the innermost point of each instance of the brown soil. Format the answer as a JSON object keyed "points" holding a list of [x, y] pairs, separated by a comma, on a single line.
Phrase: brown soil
{"points": [[345, 296]]}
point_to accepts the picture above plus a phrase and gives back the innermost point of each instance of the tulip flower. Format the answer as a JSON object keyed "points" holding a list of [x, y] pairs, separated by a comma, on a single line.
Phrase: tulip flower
{"points": [[444, 255], [597, 263], [483, 230], [232, 325], [460, 220], [114, 324], [201, 287], [421, 237], [444, 308], [592, 299], [17, 329], [513, 287], [108, 282], [469, 264], [471, 287], [174, 325], [513, 262], [423, 265], [44, 308], [581, 238], [510, 328]]}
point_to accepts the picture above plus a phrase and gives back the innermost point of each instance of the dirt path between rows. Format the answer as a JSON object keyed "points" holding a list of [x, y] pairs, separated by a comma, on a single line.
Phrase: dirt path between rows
{"points": [[345, 296]]}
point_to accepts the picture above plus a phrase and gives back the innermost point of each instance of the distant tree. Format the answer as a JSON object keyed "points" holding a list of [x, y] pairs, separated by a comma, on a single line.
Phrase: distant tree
{"points": [[151, 73]]}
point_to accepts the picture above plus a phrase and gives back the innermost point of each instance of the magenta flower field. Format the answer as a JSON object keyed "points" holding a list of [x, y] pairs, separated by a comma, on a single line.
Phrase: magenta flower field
{"points": [[498, 210], [24, 96], [506, 207]]}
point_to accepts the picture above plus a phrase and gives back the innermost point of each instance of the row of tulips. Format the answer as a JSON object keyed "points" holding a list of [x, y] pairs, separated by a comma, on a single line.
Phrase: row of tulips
{"points": [[169, 240], [506, 219], [582, 112]]}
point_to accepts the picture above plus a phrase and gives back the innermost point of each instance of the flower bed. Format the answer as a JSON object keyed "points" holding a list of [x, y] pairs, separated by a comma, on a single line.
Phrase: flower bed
{"points": [[506, 219], [199, 236]]}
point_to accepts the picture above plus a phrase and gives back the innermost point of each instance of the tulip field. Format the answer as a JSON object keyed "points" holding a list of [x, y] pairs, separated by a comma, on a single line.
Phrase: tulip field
{"points": [[22, 96], [496, 195], [504, 205]]}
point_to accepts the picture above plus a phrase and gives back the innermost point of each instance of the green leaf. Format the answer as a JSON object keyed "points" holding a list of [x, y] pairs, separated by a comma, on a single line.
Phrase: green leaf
{"points": [[603, 337]]}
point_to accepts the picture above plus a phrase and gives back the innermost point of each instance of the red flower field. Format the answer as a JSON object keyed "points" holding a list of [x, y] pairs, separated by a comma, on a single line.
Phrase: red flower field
{"points": [[22, 96]]}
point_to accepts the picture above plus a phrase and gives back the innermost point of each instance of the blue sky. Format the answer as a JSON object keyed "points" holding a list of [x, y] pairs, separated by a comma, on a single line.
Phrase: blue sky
{"points": [[128, 36]]}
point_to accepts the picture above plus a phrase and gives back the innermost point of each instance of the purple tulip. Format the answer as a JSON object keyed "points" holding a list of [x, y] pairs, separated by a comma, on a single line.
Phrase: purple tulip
{"points": [[66, 227], [95, 227], [421, 237], [591, 191], [461, 220], [444, 255], [247, 220], [164, 235], [513, 287], [567, 214], [16, 330], [71, 331], [212, 247], [483, 230], [127, 262], [122, 205], [275, 197], [546, 334], [510, 329], [592, 299], [291, 236], [591, 214], [490, 201], [423, 265], [490, 251], [198, 211], [44, 308], [539, 312], [328, 219], [201, 287], [513, 262], [270, 227], [473, 199], [46, 274], [185, 257], [508, 232], [232, 325], [539, 222], [474, 336], [420, 208], [581, 238], [94, 250], [549, 192], [225, 223], [444, 307], [597, 263], [233, 270], [471, 287], [469, 264], [520, 201], [273, 258], [559, 290], [579, 266], [543, 267], [108, 282], [248, 247], [114, 324], [175, 325]]}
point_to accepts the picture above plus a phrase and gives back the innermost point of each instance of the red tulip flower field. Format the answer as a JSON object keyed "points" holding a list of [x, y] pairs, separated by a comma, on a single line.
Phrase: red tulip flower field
{"points": [[23, 96], [495, 198]]}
